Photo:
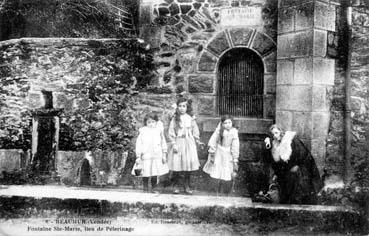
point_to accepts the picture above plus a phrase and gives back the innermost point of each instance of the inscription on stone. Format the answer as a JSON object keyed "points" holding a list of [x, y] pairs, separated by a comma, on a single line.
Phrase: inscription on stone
{"points": [[240, 16]]}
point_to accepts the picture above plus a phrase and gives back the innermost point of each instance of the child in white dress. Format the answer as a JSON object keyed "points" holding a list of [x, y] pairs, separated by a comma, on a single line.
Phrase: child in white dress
{"points": [[151, 150], [183, 135], [223, 156]]}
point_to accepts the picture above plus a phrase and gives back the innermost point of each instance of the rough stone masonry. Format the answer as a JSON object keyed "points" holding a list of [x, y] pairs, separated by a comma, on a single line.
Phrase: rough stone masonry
{"points": [[303, 80]]}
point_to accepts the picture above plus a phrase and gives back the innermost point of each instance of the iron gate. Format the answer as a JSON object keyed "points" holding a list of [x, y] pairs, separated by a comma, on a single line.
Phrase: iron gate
{"points": [[241, 83]]}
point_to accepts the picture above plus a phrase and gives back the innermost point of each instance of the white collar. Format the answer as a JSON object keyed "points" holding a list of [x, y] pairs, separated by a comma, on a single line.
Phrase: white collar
{"points": [[282, 150]]}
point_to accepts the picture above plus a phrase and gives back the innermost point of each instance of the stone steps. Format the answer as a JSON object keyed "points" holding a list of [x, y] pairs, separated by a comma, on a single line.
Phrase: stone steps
{"points": [[61, 201]]}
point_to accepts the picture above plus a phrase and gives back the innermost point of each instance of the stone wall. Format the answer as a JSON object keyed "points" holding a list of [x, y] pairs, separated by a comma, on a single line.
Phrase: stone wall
{"points": [[106, 168], [335, 159], [30, 66], [13, 160], [59, 18], [306, 71], [190, 39], [360, 92]]}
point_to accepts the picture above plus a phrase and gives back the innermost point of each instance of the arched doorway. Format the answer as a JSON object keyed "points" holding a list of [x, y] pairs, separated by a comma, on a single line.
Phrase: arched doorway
{"points": [[84, 173], [240, 83]]}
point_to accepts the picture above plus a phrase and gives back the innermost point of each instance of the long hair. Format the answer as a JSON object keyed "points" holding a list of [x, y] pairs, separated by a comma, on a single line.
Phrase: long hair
{"points": [[275, 126], [151, 116], [221, 131], [177, 115]]}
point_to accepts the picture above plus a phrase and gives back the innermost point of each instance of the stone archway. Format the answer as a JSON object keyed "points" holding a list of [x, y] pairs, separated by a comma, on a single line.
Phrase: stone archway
{"points": [[228, 39], [250, 38], [240, 80]]}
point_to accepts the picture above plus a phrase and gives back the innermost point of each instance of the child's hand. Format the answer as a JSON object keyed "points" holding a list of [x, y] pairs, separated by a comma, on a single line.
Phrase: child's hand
{"points": [[294, 169], [234, 175], [235, 166], [267, 143], [175, 148], [274, 179], [212, 155], [201, 144], [164, 159]]}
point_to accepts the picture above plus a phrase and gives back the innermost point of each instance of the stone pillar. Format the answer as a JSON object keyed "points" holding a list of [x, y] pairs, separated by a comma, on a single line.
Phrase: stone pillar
{"points": [[305, 75], [45, 140]]}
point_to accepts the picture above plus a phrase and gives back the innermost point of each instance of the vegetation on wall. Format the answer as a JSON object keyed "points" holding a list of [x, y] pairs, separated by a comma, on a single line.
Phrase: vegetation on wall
{"points": [[15, 134], [15, 120], [101, 117], [104, 118], [60, 18]]}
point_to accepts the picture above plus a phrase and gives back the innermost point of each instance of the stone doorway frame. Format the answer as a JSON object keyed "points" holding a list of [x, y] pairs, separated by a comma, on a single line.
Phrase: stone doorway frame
{"points": [[255, 68], [208, 64]]}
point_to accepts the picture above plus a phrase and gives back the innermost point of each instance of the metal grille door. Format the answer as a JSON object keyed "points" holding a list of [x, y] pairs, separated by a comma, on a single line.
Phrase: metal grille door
{"points": [[241, 84]]}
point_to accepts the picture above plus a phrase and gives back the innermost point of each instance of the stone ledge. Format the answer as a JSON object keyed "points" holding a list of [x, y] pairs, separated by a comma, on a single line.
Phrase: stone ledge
{"points": [[245, 125], [80, 202]]}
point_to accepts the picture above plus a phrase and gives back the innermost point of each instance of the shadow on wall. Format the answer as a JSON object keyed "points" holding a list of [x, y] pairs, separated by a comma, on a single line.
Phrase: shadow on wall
{"points": [[99, 168], [84, 173]]}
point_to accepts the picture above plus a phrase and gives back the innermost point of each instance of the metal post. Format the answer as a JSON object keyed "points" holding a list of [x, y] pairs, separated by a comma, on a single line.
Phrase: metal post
{"points": [[348, 150]]}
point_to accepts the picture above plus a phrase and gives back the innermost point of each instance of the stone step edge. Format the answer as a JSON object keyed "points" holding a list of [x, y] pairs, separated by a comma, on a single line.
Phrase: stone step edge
{"points": [[134, 196], [340, 220]]}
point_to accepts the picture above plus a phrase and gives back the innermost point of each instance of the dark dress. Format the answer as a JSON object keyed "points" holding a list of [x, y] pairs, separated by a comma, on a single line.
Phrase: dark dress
{"points": [[302, 186]]}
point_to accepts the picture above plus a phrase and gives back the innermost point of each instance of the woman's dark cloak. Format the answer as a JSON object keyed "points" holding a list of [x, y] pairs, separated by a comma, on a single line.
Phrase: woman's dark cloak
{"points": [[302, 186]]}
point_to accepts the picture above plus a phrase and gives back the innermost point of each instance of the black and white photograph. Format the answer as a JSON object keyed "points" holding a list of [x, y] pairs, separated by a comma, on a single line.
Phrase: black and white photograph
{"points": [[184, 117]]}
